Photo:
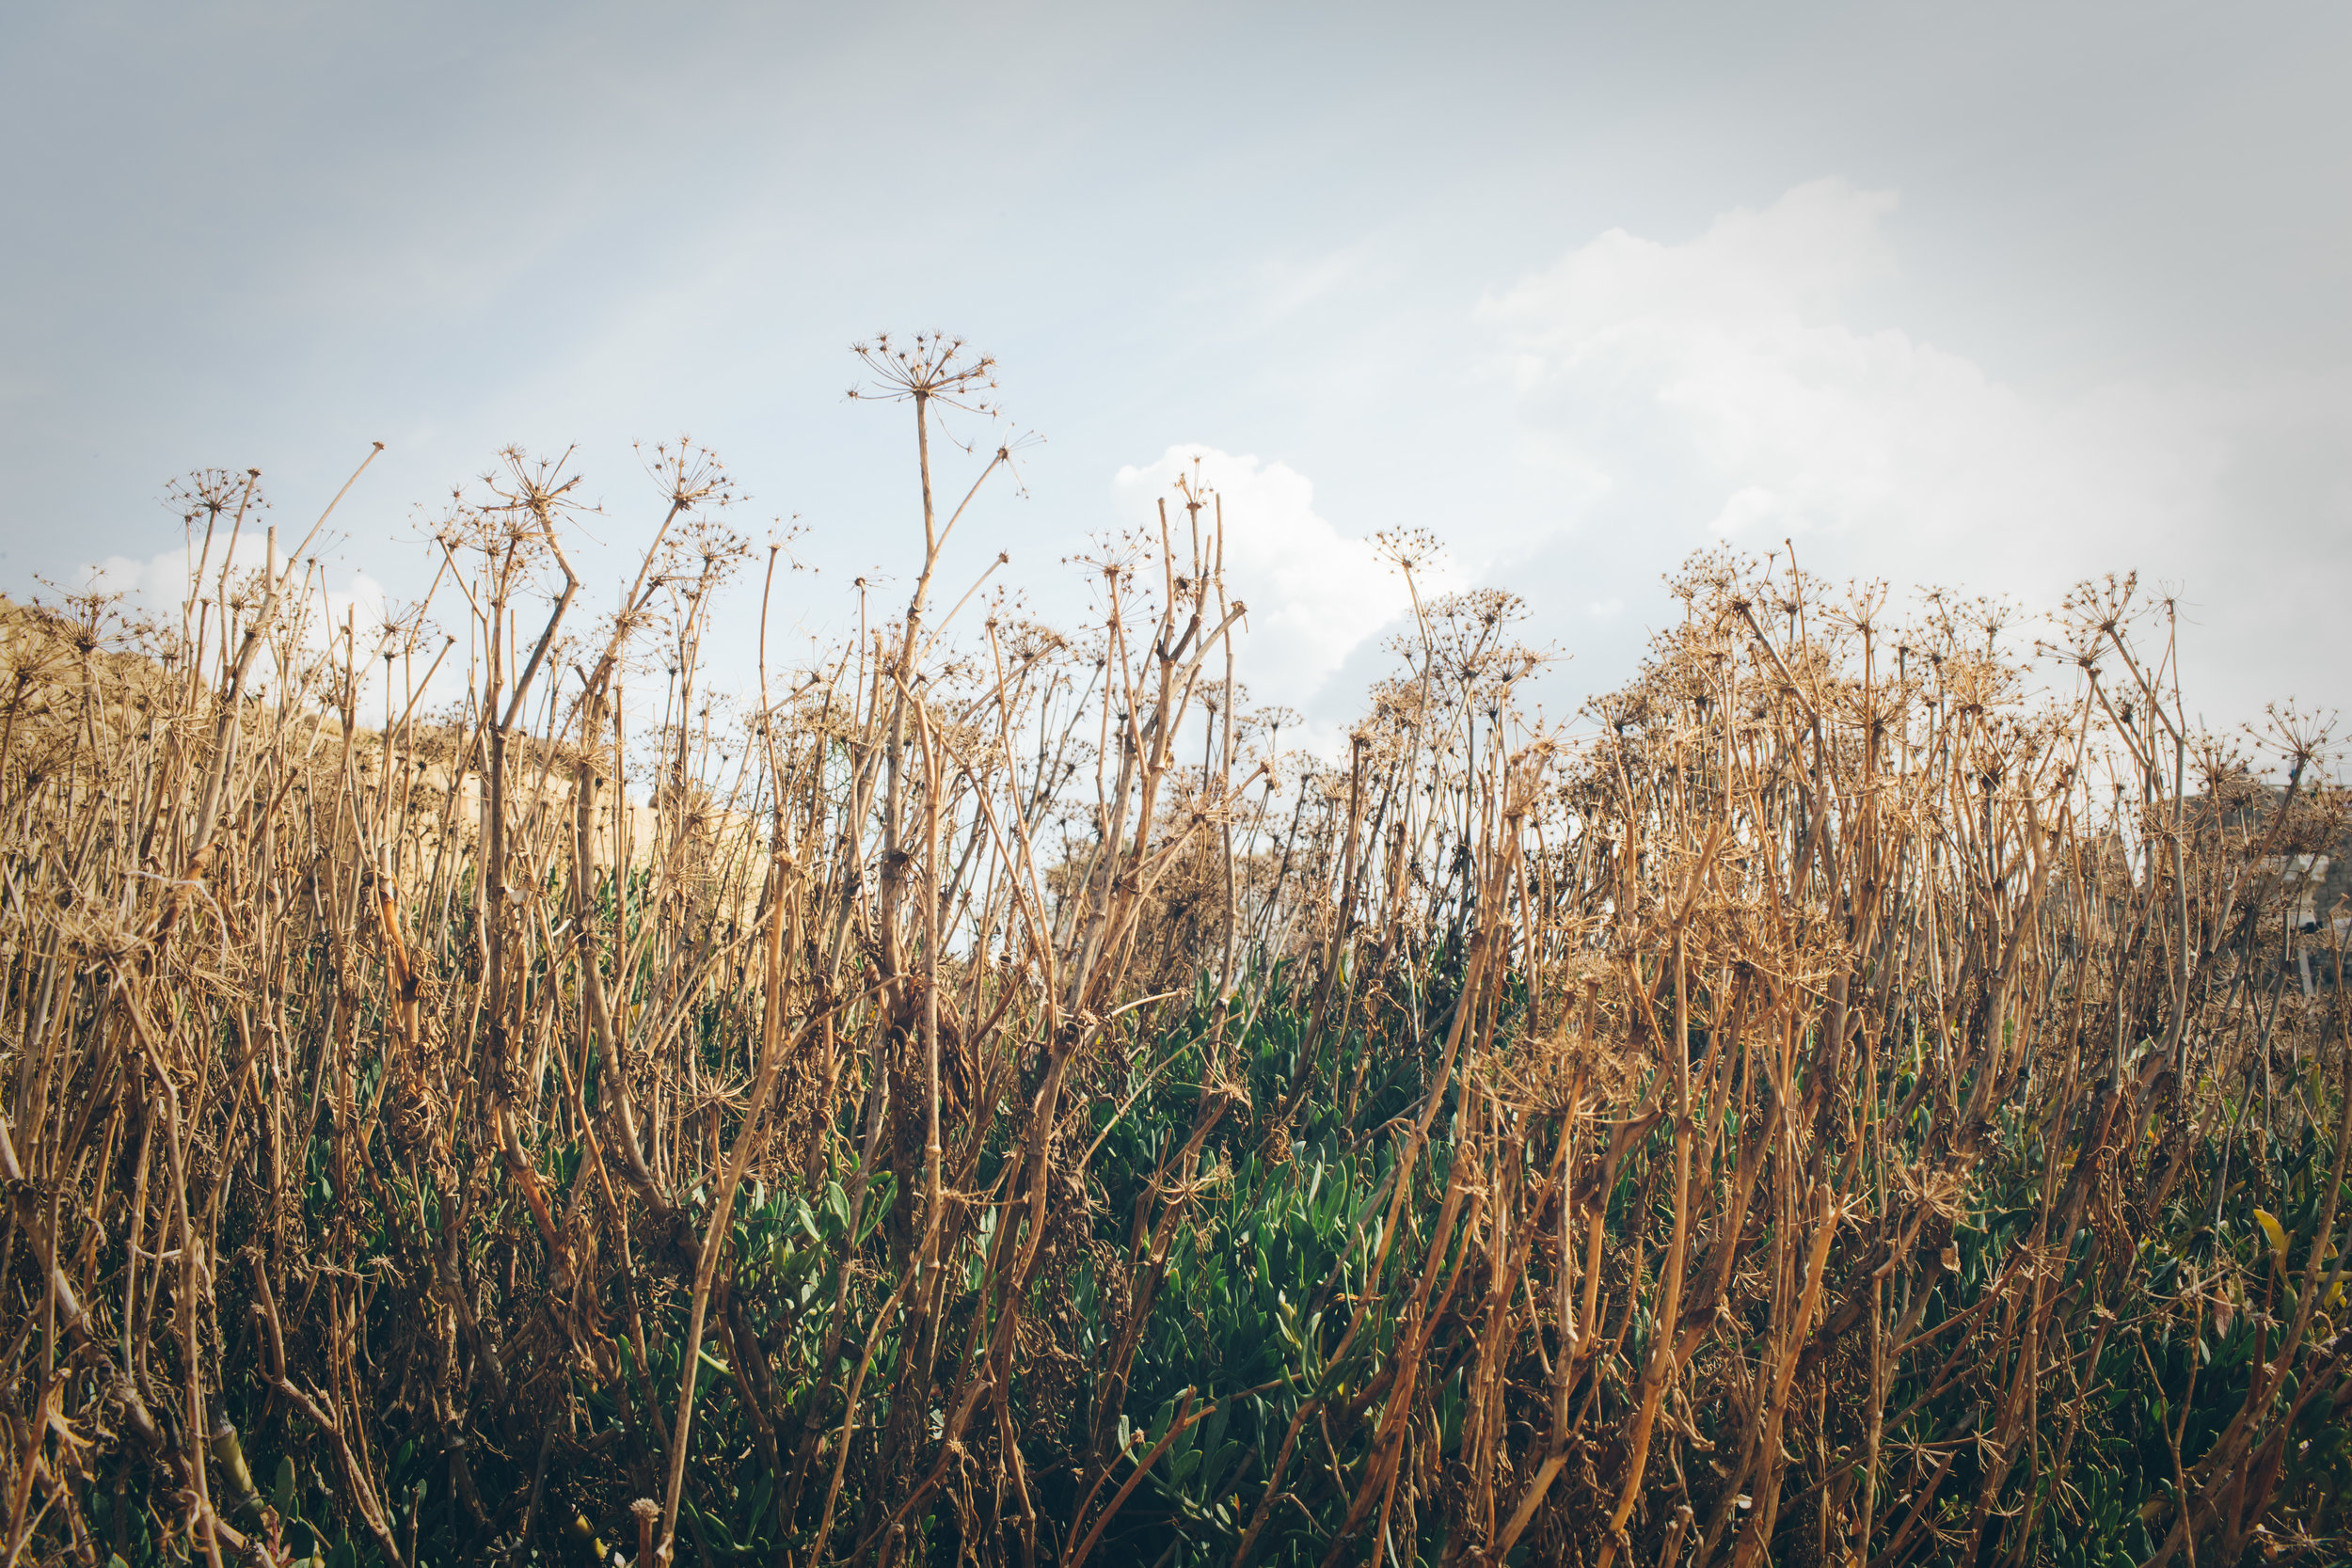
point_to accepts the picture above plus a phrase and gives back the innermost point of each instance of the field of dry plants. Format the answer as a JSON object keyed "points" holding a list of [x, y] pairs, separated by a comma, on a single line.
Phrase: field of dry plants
{"points": [[1864, 1094]]}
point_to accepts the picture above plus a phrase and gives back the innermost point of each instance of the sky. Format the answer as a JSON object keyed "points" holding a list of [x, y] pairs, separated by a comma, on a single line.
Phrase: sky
{"points": [[1994, 298]]}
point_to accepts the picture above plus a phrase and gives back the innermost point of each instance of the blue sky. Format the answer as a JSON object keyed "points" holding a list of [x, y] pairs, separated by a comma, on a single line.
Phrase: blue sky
{"points": [[1991, 297]]}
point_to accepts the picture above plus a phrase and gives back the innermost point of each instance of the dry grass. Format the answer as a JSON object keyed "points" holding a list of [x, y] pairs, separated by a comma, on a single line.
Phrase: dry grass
{"points": [[995, 1105]]}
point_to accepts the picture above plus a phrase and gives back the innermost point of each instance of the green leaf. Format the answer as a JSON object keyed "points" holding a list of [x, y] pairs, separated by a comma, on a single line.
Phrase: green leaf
{"points": [[756, 1515], [879, 1196]]}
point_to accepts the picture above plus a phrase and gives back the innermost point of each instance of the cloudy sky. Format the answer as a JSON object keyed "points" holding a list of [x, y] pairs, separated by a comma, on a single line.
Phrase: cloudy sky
{"points": [[1991, 296]]}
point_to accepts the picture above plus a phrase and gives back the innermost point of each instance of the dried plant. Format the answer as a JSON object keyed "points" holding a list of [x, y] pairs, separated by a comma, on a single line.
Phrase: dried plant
{"points": [[986, 1102]]}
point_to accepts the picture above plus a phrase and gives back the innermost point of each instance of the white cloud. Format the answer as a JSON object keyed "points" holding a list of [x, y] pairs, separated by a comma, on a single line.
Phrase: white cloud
{"points": [[1733, 396], [1314, 594], [1796, 257]]}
